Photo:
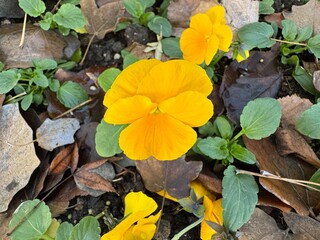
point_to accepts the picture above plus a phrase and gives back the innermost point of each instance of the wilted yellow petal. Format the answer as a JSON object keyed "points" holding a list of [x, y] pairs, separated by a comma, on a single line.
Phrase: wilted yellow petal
{"points": [[216, 15], [137, 202], [202, 24]]}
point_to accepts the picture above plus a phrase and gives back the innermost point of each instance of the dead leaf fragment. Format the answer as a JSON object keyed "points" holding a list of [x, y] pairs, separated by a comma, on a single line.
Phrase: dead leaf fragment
{"points": [[172, 176], [66, 158], [316, 80], [2, 98], [17, 154], [56, 133]]}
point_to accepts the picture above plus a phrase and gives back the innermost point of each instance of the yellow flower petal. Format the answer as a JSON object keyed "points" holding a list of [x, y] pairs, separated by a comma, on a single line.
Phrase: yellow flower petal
{"points": [[126, 84], [225, 36], [157, 135], [216, 15], [202, 24], [201, 191], [213, 43], [137, 202], [191, 108], [171, 78], [127, 110], [168, 196]]}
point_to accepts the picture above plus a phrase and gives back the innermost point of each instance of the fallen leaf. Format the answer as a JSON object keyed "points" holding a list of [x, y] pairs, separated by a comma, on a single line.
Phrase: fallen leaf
{"points": [[2, 98], [95, 177], [258, 76], [172, 176], [274, 17], [38, 44], [210, 181], [104, 19], [56, 133], [17, 154], [268, 159], [305, 15], [316, 80], [137, 50], [261, 226], [267, 199]]}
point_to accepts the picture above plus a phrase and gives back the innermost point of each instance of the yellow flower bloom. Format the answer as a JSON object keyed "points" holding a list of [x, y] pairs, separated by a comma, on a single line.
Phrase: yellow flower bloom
{"points": [[213, 213], [161, 102], [135, 226], [208, 32]]}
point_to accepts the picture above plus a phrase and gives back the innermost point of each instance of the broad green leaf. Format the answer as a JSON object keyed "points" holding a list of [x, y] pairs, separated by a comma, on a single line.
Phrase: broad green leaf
{"points": [[160, 26], [315, 178], [134, 7], [265, 7], [46, 22], [304, 34], [64, 231], [34, 8], [239, 198], [146, 17], [54, 84], [52, 230], [69, 16], [206, 129], [37, 98], [26, 101], [214, 147], [289, 30], [256, 34], [128, 58], [242, 154], [44, 64], [222, 128], [309, 122], [71, 94], [40, 79], [106, 78], [87, 229], [9, 79], [171, 47], [260, 118], [147, 3], [314, 45], [74, 2], [33, 224], [107, 139]]}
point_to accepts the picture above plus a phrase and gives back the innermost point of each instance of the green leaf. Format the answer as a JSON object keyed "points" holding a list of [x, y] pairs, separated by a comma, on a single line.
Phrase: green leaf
{"points": [[315, 178], [314, 45], [34, 8], [239, 198], [34, 221], [171, 47], [38, 98], [146, 17], [309, 122], [64, 231], [289, 30], [147, 3], [71, 94], [206, 129], [222, 128], [134, 7], [69, 16], [260, 118], [40, 79], [265, 7], [46, 22], [107, 139], [160, 26], [54, 85], [9, 79], [87, 229], [304, 34], [242, 154], [107, 78], [256, 34], [128, 58], [121, 26], [44, 64], [74, 2], [214, 147], [26, 101]]}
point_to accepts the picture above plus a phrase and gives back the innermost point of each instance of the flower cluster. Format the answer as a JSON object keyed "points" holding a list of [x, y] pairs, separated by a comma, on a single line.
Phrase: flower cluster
{"points": [[208, 32], [161, 102]]}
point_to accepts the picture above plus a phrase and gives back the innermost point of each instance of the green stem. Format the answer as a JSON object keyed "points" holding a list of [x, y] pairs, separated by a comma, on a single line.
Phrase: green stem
{"points": [[239, 134], [284, 41], [298, 50], [217, 59], [186, 229]]}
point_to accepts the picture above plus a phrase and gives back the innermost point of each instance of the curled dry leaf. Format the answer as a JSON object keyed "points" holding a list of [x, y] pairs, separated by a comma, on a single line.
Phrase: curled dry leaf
{"points": [[17, 154], [172, 176], [210, 180], [56, 133]]}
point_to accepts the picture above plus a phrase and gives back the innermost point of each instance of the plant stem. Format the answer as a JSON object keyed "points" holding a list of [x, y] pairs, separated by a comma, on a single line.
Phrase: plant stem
{"points": [[213, 63], [239, 134], [23, 33], [294, 43], [186, 229], [74, 108]]}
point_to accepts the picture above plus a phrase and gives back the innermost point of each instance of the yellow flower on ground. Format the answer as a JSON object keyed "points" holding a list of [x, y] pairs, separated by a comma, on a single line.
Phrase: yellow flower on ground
{"points": [[135, 225], [213, 213], [161, 102], [207, 34]]}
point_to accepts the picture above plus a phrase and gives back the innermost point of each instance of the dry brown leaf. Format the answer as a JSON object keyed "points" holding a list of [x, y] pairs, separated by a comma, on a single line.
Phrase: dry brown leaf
{"points": [[17, 154], [306, 15], [2, 98], [210, 181], [268, 159], [172, 176], [275, 17], [267, 199], [316, 80], [103, 20], [290, 141], [38, 44]]}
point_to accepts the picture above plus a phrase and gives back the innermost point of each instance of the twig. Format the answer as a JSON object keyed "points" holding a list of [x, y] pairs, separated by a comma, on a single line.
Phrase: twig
{"points": [[87, 50], [15, 97], [74, 108], [56, 6], [23, 33]]}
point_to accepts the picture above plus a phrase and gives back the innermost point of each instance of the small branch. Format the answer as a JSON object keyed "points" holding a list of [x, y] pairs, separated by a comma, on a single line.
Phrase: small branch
{"points": [[15, 97], [56, 6], [23, 33], [294, 43], [87, 50], [74, 108]]}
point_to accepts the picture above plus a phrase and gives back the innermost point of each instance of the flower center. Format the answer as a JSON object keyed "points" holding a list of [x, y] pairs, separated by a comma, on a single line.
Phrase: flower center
{"points": [[156, 110]]}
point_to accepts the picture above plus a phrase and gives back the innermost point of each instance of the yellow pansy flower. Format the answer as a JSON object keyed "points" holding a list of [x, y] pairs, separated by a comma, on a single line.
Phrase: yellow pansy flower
{"points": [[135, 225], [208, 32], [161, 102]]}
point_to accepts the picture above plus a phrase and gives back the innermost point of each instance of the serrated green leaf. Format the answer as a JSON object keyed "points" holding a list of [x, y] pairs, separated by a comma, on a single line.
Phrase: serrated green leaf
{"points": [[44, 64], [289, 30], [71, 94], [256, 34], [34, 8], [146, 17], [214, 147], [32, 224], [309, 122], [260, 118], [46, 22], [87, 229], [107, 139], [222, 128], [26, 101], [242, 154], [40, 79], [304, 34], [9, 79], [134, 7], [314, 45], [54, 85], [265, 7], [239, 198], [171, 47], [160, 26], [107, 78], [69, 16], [64, 231], [147, 3], [206, 129]]}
